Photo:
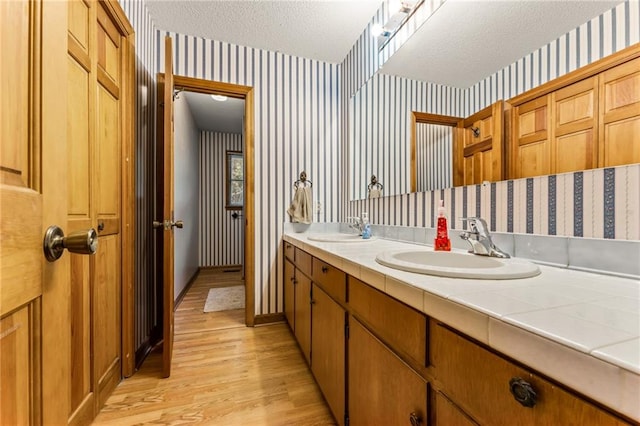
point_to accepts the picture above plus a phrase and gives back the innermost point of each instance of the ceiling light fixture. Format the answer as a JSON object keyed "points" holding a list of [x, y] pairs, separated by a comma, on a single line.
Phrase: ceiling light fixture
{"points": [[399, 13], [219, 98]]}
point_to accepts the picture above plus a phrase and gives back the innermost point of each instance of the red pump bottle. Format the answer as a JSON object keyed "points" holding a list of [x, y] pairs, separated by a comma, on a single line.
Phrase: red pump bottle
{"points": [[442, 241]]}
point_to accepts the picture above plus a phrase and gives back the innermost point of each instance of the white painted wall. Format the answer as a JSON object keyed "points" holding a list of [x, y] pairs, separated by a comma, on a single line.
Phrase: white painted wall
{"points": [[186, 184]]}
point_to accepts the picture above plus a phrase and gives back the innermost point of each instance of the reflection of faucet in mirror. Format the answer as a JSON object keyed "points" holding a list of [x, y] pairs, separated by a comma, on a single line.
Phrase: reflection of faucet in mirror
{"points": [[375, 188], [480, 239]]}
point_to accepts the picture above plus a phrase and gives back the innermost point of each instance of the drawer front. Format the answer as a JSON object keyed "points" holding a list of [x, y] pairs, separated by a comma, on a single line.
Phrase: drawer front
{"points": [[332, 279], [289, 251], [401, 327], [303, 261], [478, 381]]}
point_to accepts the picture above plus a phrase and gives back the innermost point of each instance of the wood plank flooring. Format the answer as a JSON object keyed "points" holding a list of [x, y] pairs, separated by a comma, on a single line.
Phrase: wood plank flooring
{"points": [[223, 373]]}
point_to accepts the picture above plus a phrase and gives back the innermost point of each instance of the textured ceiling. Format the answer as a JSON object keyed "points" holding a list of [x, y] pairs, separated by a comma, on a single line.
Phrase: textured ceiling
{"points": [[466, 41], [215, 116], [323, 30]]}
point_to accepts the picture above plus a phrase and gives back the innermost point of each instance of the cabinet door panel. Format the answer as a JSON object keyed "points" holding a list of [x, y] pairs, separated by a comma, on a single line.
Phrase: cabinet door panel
{"points": [[620, 117], [575, 127], [302, 315], [383, 390], [289, 292], [328, 350]]}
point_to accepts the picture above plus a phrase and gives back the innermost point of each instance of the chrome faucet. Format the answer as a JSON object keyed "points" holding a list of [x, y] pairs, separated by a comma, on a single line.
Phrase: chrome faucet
{"points": [[356, 223], [480, 239]]}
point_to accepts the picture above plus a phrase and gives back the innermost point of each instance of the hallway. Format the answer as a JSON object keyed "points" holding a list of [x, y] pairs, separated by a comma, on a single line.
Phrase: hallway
{"points": [[223, 373]]}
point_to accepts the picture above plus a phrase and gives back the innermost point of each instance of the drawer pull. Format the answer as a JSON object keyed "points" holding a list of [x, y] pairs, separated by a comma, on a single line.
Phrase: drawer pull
{"points": [[325, 269], [523, 392], [415, 419]]}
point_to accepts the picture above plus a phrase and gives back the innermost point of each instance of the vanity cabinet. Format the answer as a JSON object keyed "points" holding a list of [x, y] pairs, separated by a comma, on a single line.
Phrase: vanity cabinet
{"points": [[378, 361], [481, 383], [383, 390]]}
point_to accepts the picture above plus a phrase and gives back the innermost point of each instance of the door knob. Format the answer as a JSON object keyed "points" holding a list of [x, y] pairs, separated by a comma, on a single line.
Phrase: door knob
{"points": [[167, 224], [79, 242]]}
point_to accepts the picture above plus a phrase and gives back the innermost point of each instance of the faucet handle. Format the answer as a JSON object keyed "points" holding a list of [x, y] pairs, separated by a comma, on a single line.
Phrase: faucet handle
{"points": [[477, 224]]}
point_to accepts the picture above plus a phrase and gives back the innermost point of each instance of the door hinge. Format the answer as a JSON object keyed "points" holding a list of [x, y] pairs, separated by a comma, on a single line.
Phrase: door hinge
{"points": [[346, 329], [346, 419]]}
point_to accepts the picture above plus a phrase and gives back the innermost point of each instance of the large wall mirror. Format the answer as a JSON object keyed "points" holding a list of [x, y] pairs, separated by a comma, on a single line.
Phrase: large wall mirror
{"points": [[460, 45]]}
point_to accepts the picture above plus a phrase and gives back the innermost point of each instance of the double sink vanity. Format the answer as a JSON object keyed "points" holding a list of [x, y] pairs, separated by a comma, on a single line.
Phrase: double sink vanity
{"points": [[395, 333]]}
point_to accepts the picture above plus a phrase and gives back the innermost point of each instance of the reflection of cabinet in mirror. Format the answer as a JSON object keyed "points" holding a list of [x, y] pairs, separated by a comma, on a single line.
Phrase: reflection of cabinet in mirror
{"points": [[589, 118]]}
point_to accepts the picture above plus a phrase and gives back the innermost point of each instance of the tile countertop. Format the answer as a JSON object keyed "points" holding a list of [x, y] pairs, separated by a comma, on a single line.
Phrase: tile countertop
{"points": [[581, 329]]}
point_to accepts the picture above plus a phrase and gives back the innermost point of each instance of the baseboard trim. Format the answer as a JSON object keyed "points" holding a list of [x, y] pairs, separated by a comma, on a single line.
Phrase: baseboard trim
{"points": [[185, 290], [220, 267], [269, 318]]}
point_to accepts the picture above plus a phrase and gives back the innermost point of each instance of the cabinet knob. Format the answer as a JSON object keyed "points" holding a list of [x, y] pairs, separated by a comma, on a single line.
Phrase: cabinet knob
{"points": [[523, 392], [415, 419], [313, 302], [325, 269]]}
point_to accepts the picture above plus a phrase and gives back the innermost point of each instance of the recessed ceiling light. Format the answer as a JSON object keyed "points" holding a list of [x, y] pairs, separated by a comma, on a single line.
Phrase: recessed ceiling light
{"points": [[220, 98]]}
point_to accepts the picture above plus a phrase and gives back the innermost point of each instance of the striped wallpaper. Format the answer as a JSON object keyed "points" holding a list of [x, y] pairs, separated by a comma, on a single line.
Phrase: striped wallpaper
{"points": [[380, 129], [297, 127], [595, 203], [434, 157], [145, 317], [221, 236]]}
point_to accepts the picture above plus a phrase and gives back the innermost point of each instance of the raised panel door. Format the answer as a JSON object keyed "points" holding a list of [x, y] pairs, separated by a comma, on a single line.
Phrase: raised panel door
{"points": [[620, 116], [575, 127], [530, 145]]}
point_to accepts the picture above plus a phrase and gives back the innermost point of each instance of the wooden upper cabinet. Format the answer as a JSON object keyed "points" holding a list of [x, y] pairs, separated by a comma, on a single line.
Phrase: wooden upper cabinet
{"points": [[479, 157], [589, 118], [574, 127], [620, 115], [531, 153]]}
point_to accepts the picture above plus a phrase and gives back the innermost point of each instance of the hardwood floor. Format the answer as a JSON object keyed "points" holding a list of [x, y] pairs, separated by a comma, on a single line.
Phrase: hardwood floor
{"points": [[223, 373]]}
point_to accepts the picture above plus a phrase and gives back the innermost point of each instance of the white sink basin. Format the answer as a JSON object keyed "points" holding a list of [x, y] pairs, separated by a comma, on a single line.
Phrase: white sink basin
{"points": [[338, 238], [457, 265]]}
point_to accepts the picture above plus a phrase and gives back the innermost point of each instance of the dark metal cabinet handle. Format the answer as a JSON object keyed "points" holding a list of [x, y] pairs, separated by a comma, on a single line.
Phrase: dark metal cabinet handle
{"points": [[100, 225], [313, 302], [325, 269], [523, 392], [415, 419]]}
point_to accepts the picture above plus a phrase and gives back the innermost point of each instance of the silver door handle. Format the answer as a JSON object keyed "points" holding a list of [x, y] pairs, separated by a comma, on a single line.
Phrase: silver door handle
{"points": [[79, 242], [167, 224]]}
